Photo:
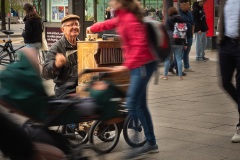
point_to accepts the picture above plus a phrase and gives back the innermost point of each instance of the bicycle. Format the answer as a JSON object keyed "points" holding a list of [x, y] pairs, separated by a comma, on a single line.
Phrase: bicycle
{"points": [[7, 52]]}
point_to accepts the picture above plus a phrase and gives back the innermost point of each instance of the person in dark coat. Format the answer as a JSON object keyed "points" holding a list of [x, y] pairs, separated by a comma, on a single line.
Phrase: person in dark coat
{"points": [[32, 33], [108, 13], [200, 30], [177, 44]]}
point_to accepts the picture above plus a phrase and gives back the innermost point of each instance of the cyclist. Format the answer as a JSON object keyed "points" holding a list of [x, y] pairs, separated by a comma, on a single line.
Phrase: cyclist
{"points": [[22, 91], [15, 144]]}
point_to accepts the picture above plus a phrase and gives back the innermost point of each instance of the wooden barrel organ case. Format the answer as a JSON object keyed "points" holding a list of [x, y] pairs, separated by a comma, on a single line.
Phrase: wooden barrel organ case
{"points": [[101, 53]]}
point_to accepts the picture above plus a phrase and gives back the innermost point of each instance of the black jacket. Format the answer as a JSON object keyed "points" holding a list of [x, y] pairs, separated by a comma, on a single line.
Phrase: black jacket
{"points": [[170, 28], [61, 76], [33, 30], [199, 16]]}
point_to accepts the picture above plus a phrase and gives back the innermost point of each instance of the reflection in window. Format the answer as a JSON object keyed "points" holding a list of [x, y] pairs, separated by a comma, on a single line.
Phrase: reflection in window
{"points": [[89, 10], [58, 9]]}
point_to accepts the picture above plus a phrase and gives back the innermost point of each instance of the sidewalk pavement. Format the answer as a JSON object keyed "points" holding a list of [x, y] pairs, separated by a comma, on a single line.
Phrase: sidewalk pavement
{"points": [[17, 36], [16, 28], [194, 119]]}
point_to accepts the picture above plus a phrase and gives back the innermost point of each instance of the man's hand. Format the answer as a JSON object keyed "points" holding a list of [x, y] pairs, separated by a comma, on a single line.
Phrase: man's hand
{"points": [[60, 60], [199, 32]]}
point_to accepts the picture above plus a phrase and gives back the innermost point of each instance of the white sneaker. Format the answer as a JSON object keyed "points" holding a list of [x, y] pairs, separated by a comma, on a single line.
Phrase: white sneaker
{"points": [[236, 137]]}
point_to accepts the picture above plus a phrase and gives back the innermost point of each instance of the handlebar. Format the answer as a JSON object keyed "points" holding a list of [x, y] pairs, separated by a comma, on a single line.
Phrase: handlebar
{"points": [[104, 71]]}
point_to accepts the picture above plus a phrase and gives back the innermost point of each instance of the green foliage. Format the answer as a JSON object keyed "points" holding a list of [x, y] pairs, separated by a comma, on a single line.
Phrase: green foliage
{"points": [[15, 4], [89, 17], [152, 9]]}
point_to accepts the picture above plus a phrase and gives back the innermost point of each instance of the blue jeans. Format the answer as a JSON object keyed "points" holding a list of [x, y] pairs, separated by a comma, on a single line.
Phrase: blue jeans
{"points": [[177, 51], [137, 98], [201, 44], [37, 45], [186, 53]]}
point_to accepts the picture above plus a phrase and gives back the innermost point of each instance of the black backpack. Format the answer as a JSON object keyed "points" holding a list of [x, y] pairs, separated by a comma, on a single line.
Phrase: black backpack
{"points": [[158, 39]]}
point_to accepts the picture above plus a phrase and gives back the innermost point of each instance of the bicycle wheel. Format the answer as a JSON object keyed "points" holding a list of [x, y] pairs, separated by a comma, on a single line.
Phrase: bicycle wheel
{"points": [[104, 137], [5, 57], [75, 134], [133, 132]]}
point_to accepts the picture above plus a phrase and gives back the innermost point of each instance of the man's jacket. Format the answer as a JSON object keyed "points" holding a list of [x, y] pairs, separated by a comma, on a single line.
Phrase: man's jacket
{"points": [[199, 15], [65, 78]]}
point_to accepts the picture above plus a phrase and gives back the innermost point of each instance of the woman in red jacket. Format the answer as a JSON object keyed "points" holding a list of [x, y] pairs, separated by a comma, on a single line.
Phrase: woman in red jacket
{"points": [[137, 58]]}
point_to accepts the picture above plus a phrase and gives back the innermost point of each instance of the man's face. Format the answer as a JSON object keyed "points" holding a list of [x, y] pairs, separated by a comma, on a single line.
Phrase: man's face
{"points": [[185, 6], [71, 28]]}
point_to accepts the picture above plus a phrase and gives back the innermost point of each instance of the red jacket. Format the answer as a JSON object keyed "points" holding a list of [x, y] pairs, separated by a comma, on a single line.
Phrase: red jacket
{"points": [[133, 37]]}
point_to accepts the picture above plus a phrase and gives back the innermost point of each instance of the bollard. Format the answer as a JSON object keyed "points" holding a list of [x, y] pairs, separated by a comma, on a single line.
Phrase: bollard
{"points": [[9, 24]]}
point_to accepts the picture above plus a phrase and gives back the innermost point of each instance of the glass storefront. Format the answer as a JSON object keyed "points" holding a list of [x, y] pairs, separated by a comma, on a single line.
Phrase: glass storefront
{"points": [[101, 10], [153, 3], [57, 10], [94, 9], [89, 10]]}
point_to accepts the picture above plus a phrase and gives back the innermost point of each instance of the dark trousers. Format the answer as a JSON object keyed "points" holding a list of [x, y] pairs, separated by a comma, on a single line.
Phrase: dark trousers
{"points": [[229, 57]]}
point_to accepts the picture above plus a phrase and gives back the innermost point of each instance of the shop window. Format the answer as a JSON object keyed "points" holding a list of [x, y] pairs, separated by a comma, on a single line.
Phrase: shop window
{"points": [[58, 9], [89, 10]]}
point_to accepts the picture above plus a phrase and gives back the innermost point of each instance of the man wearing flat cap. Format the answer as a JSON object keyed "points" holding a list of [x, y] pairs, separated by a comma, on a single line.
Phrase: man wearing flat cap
{"points": [[60, 66]]}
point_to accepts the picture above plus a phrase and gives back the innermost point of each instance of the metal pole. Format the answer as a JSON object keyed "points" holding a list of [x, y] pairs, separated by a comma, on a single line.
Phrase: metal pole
{"points": [[9, 23], [9, 20]]}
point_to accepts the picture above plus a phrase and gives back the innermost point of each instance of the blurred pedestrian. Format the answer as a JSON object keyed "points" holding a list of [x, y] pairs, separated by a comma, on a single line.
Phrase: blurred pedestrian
{"points": [[200, 30], [32, 33], [177, 43], [229, 52], [186, 14], [111, 12], [22, 92], [138, 60], [146, 10], [107, 13]]}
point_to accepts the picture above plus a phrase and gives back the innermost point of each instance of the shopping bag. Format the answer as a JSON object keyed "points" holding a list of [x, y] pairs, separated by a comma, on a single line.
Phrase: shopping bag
{"points": [[44, 43]]}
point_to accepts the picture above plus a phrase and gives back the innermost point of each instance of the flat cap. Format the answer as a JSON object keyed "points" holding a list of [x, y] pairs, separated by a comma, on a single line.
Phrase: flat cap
{"points": [[70, 16]]}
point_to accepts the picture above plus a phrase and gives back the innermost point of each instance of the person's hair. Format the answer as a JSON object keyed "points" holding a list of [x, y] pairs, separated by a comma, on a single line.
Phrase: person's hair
{"points": [[184, 1], [133, 7], [172, 11], [30, 13]]}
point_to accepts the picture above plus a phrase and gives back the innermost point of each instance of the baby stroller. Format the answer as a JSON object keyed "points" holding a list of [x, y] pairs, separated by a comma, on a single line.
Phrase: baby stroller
{"points": [[22, 92]]}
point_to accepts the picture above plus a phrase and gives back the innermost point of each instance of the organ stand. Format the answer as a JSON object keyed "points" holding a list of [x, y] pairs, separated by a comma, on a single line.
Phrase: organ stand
{"points": [[100, 53]]}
